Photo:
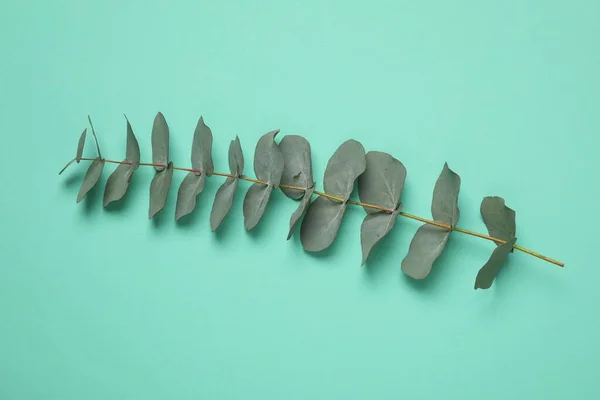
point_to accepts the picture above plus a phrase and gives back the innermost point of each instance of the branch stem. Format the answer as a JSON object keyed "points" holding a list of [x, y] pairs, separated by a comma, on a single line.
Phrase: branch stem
{"points": [[356, 203]]}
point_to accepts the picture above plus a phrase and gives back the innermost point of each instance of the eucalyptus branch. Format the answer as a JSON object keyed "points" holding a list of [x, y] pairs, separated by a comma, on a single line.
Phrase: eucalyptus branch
{"points": [[287, 166]]}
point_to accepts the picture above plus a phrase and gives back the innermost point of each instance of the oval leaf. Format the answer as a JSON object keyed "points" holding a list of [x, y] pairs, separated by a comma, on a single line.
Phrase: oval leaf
{"points": [[91, 178], [160, 142], [132, 152], [202, 148], [499, 219], [191, 186], [487, 273], [382, 182], [297, 170], [255, 202], [347, 163], [159, 189], [223, 202], [80, 145], [425, 247], [302, 207], [321, 224], [374, 227], [444, 207], [117, 183], [268, 159], [236, 157]]}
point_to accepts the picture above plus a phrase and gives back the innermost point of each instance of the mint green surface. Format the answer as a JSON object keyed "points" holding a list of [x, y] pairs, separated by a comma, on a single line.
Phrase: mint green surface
{"points": [[106, 304]]}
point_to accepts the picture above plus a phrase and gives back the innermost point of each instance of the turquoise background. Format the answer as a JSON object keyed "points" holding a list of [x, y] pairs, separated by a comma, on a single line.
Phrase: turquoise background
{"points": [[106, 304]]}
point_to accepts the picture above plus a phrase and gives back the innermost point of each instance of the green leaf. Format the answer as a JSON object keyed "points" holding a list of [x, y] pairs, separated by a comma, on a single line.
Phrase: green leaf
{"points": [[300, 211], [159, 189], [202, 148], [91, 178], [321, 224], [236, 157], [487, 273], [160, 142], [444, 207], [95, 137], [382, 182], [347, 163], [67, 166], [425, 247], [118, 182], [255, 202], [223, 202], [374, 228], [297, 169], [499, 219], [80, 146], [268, 167], [191, 186]]}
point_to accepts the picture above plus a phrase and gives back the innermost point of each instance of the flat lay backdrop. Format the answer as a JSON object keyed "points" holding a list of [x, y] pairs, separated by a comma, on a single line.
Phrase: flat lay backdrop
{"points": [[107, 304]]}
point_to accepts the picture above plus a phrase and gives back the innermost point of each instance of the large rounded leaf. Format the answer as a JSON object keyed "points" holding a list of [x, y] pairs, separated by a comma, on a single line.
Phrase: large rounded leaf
{"points": [[297, 170], [91, 178], [382, 182], [444, 207], [159, 189], [191, 186], [268, 159], [255, 202], [347, 163], [321, 224], [160, 142], [223, 202], [487, 273], [499, 219], [425, 247], [300, 211], [374, 228]]}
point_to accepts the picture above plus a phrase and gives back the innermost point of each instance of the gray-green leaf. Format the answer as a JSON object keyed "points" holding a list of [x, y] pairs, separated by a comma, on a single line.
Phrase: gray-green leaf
{"points": [[487, 273], [382, 182], [268, 159], [321, 224], [425, 247], [160, 141], [236, 157], [95, 137], [91, 178], [223, 201], [255, 202], [444, 207], [297, 170], [347, 163], [117, 183], [80, 145], [374, 227], [202, 148], [302, 207], [191, 186], [159, 189], [499, 219]]}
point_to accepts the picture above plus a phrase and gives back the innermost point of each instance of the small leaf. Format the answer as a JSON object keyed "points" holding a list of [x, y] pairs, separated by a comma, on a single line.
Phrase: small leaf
{"points": [[300, 211], [425, 247], [347, 163], [223, 201], [191, 186], [159, 189], [117, 183], [499, 219], [382, 182], [236, 157], [80, 145], [202, 148], [487, 273], [67, 166], [297, 170], [95, 137], [444, 207], [255, 202], [91, 178], [321, 224], [160, 142], [268, 159], [374, 227]]}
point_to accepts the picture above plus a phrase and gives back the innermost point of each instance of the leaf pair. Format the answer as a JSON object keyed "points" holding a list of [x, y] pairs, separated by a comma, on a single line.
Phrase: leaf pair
{"points": [[430, 240], [381, 185], [500, 222], [324, 216], [94, 171]]}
